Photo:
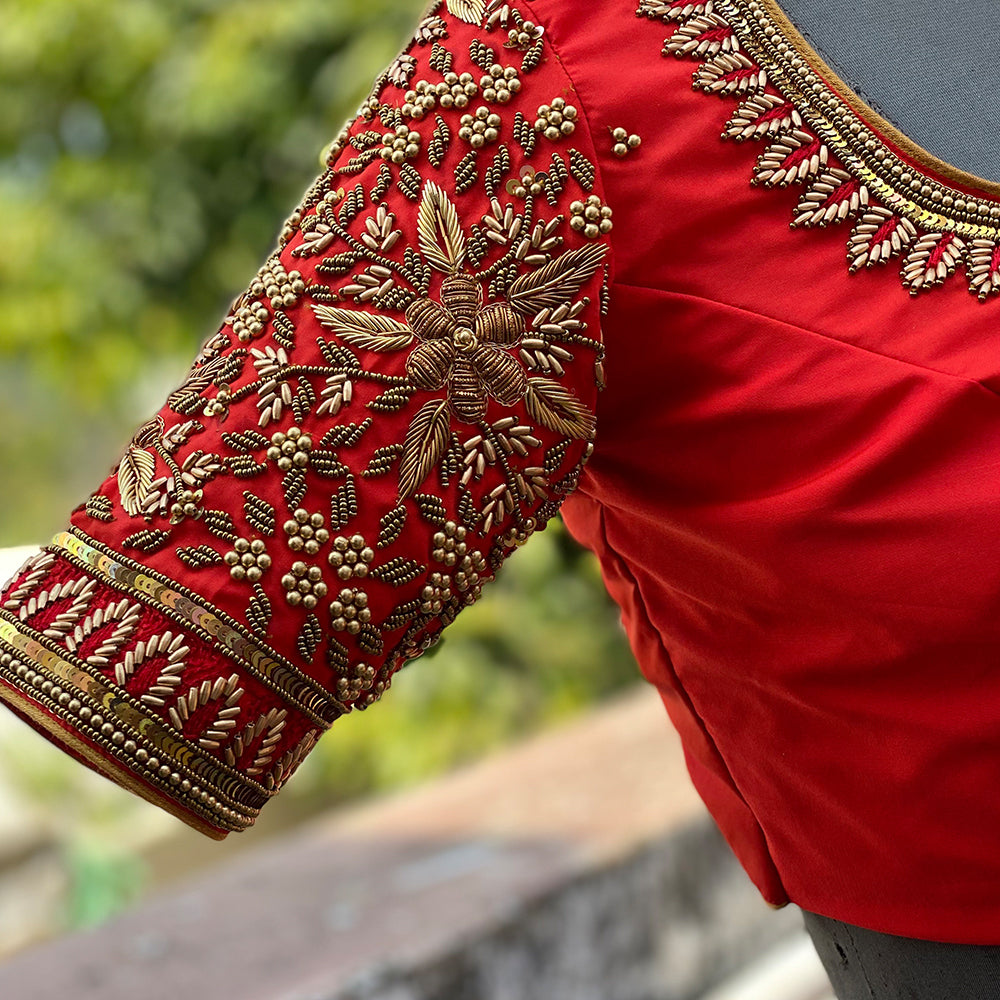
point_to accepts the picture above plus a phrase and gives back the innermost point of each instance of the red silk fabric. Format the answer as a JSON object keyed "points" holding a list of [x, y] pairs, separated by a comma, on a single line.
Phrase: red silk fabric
{"points": [[794, 489]]}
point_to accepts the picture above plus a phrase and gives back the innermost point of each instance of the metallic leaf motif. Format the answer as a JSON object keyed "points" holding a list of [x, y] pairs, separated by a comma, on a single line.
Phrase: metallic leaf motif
{"points": [[791, 158], [439, 232], [878, 236], [933, 258], [369, 331], [551, 285], [702, 36], [761, 115], [550, 404], [983, 266], [135, 476], [730, 73], [426, 441], [832, 197]]}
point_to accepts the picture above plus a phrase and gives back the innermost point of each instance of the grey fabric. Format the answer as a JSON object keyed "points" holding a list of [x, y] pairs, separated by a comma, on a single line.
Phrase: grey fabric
{"points": [[867, 965], [928, 66]]}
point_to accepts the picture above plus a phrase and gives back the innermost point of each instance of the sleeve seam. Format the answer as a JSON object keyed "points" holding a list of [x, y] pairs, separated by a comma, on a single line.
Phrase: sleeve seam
{"points": [[593, 141]]}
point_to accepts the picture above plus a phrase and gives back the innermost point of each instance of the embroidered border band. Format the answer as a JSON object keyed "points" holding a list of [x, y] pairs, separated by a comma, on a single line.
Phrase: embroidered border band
{"points": [[124, 730], [291, 685]]}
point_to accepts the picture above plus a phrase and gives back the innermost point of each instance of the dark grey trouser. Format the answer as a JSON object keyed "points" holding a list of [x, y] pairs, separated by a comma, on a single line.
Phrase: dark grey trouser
{"points": [[868, 965]]}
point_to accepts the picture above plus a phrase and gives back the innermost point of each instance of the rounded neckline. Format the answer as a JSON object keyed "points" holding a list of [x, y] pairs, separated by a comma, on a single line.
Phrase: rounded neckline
{"points": [[933, 164], [905, 176]]}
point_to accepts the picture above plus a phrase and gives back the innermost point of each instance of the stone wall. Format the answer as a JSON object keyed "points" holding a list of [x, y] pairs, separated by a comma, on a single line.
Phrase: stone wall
{"points": [[579, 865]]}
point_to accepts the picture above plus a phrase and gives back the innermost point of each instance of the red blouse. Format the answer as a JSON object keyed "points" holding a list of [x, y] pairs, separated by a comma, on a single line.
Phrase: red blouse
{"points": [[790, 478]]}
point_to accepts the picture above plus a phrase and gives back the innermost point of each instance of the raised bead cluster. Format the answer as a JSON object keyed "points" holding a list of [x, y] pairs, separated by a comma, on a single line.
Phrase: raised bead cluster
{"points": [[524, 36], [436, 594], [304, 585], [419, 101], [351, 557], [247, 560], [399, 145], [449, 543], [290, 448], [500, 84], [282, 287], [350, 611], [480, 128], [556, 119], [306, 532], [360, 677], [456, 90], [515, 537], [531, 180], [219, 406], [624, 141], [590, 217], [249, 320], [470, 576], [188, 504]]}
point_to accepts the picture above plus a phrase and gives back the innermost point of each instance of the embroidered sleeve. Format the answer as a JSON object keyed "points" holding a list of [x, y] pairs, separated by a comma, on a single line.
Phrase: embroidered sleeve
{"points": [[402, 395]]}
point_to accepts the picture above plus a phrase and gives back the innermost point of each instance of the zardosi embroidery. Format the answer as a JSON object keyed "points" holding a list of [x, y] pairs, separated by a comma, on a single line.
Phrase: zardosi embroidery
{"points": [[402, 395], [817, 139]]}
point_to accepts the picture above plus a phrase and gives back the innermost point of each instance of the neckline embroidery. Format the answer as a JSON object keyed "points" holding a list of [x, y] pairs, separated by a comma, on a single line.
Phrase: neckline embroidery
{"points": [[853, 164]]}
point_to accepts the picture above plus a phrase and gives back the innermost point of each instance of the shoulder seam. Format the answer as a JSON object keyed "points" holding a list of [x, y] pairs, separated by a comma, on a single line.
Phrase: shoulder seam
{"points": [[612, 259]]}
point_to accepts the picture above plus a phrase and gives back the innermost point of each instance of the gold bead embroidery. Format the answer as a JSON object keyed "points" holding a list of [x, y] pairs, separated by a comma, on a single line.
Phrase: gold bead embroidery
{"points": [[745, 45]]}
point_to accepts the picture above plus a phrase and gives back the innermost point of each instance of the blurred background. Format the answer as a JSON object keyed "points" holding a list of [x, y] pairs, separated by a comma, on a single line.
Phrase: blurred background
{"points": [[149, 153]]}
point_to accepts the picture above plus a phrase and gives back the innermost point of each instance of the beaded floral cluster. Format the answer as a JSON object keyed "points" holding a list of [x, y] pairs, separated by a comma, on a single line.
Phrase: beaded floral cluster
{"points": [[426, 322]]}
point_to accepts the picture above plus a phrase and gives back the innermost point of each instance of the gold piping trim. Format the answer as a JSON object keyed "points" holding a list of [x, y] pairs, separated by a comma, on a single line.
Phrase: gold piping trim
{"points": [[869, 115], [108, 767], [235, 799]]}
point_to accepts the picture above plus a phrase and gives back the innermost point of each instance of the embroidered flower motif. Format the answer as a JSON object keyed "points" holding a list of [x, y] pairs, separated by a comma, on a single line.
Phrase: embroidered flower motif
{"points": [[291, 448], [464, 346], [247, 559], [529, 181], [350, 611], [351, 556], [219, 407], [401, 144], [480, 128], [304, 585], [306, 532], [436, 594], [557, 119], [188, 504], [524, 36], [500, 84], [590, 217]]}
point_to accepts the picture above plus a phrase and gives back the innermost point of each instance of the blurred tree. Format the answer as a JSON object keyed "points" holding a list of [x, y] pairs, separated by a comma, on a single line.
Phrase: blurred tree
{"points": [[149, 153]]}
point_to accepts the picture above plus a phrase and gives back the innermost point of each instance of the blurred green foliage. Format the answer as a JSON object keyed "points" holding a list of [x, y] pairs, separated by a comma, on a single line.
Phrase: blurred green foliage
{"points": [[149, 152]]}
